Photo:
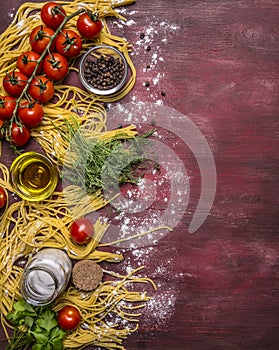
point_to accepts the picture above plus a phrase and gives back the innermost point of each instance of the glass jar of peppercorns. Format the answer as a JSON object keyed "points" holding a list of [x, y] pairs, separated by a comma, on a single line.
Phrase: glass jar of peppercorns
{"points": [[103, 70]]}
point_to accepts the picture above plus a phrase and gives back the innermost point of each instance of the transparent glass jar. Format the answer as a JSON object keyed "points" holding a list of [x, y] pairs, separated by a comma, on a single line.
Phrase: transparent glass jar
{"points": [[105, 52], [33, 175], [46, 276]]}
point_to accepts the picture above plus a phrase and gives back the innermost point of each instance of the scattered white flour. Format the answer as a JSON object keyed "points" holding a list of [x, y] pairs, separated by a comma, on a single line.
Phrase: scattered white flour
{"points": [[11, 13], [160, 309], [20, 24], [130, 22], [148, 48]]}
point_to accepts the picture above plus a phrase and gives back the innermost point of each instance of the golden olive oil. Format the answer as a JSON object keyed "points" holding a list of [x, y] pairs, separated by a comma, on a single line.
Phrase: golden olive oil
{"points": [[34, 176]]}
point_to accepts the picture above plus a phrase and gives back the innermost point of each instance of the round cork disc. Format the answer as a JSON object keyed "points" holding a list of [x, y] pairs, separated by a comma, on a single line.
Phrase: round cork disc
{"points": [[87, 275]]}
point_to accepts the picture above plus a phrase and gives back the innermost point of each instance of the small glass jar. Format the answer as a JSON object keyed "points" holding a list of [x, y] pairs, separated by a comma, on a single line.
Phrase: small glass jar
{"points": [[34, 177], [108, 66], [45, 277]]}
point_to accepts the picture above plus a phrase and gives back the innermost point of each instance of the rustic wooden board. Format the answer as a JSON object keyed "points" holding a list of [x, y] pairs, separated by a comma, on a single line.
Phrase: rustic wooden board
{"points": [[217, 62]]}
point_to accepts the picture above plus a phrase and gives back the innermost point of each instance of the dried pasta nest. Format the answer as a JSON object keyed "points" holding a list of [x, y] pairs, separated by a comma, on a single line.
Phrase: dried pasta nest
{"points": [[87, 275]]}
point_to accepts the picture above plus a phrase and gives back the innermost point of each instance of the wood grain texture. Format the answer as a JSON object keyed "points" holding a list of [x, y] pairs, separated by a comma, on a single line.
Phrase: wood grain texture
{"points": [[217, 61]]}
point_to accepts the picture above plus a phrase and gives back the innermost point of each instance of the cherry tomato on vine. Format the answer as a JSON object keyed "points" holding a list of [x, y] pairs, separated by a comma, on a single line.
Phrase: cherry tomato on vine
{"points": [[20, 135], [68, 43], [56, 66], [41, 88], [7, 106], [81, 230], [89, 25], [14, 83], [52, 14], [30, 113], [40, 38], [68, 317], [3, 198], [27, 61]]}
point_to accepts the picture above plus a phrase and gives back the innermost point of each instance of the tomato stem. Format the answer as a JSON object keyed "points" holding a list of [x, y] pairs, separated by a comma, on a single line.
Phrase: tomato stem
{"points": [[57, 9], [44, 53], [54, 63], [94, 16]]}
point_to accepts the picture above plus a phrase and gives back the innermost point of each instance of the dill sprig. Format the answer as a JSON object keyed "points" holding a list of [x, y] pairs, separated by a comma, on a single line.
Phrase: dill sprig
{"points": [[105, 164]]}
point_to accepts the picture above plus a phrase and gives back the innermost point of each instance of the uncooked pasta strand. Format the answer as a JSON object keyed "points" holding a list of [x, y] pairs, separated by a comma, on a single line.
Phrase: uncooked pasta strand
{"points": [[27, 227]]}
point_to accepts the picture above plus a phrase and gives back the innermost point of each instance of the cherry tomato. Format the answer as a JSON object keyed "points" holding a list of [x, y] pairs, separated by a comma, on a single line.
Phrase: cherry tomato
{"points": [[52, 14], [27, 61], [81, 230], [14, 83], [56, 66], [7, 106], [20, 135], [3, 198], [88, 25], [68, 43], [41, 89], [68, 317], [40, 38], [30, 113]]}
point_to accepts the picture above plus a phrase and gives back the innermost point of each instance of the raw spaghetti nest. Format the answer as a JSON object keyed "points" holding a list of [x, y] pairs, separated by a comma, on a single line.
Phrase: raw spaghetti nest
{"points": [[27, 227]]}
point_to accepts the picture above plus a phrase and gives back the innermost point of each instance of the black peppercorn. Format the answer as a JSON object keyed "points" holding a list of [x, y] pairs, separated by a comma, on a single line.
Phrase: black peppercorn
{"points": [[105, 73]]}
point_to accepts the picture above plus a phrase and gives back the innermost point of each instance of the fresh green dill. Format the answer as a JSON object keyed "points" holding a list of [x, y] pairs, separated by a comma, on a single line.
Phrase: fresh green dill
{"points": [[101, 164]]}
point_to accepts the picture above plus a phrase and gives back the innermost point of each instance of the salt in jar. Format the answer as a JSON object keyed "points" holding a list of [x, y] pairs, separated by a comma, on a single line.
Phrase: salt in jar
{"points": [[46, 276]]}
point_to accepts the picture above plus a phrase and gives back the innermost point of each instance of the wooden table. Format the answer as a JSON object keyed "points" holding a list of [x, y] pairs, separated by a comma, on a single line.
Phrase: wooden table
{"points": [[216, 62]]}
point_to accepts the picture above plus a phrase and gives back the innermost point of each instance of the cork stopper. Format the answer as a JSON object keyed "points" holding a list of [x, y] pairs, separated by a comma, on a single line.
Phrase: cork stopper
{"points": [[87, 275]]}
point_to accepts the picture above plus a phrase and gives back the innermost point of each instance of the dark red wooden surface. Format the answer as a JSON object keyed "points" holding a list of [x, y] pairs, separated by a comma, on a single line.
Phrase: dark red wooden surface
{"points": [[217, 61]]}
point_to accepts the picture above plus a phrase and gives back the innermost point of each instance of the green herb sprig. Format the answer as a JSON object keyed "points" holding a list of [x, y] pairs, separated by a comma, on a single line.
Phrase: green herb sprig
{"points": [[102, 164], [36, 326]]}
